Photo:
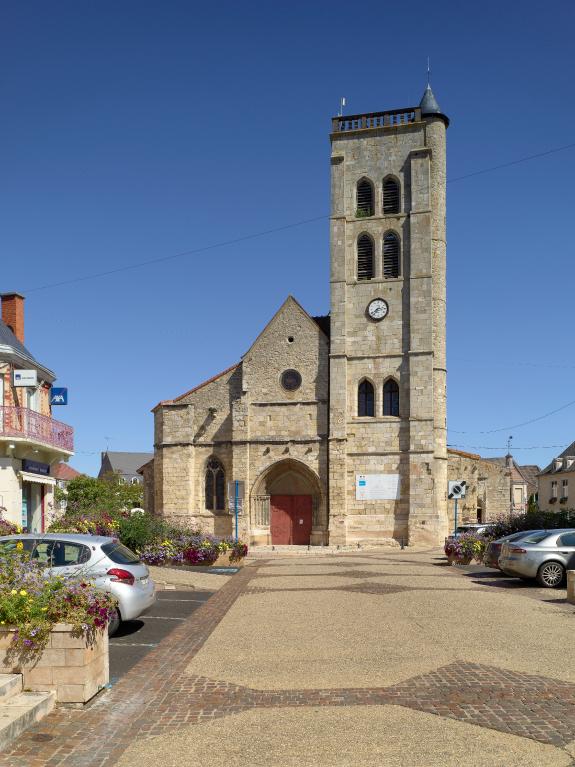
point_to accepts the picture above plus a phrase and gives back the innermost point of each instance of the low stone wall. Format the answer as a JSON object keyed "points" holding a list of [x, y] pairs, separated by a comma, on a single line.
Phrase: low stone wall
{"points": [[67, 665]]}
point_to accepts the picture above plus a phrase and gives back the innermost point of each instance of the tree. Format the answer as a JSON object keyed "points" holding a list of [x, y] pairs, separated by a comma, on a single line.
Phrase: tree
{"points": [[93, 494]]}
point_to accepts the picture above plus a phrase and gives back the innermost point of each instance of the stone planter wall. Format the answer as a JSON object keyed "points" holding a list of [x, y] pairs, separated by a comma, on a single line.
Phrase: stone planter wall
{"points": [[70, 667], [571, 586], [224, 561]]}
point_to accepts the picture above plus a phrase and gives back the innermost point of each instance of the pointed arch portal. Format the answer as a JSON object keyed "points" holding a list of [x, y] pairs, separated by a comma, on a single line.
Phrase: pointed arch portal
{"points": [[287, 498]]}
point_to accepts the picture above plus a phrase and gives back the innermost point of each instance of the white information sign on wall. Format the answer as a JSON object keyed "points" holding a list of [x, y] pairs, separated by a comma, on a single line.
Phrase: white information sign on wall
{"points": [[25, 378], [377, 487]]}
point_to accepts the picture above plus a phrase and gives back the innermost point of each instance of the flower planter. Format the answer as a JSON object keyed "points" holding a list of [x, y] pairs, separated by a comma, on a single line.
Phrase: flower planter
{"points": [[455, 560], [71, 666], [223, 560]]}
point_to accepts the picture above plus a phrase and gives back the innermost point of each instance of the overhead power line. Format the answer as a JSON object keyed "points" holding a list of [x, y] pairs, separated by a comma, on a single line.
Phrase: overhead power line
{"points": [[263, 233], [516, 425], [504, 447], [177, 255]]}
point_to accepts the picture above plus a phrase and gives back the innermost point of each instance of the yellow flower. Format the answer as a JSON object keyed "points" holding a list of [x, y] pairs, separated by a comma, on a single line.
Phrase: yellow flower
{"points": [[44, 609], [13, 591], [2, 623], [20, 545], [23, 592]]}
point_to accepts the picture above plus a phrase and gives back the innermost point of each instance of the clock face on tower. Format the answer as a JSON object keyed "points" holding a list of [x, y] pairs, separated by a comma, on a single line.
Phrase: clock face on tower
{"points": [[377, 309]]}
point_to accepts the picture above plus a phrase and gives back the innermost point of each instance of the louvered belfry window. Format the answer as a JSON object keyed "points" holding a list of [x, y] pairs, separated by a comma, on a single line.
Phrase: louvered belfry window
{"points": [[365, 399], [390, 196], [391, 398], [364, 257], [391, 255], [215, 486], [364, 198]]}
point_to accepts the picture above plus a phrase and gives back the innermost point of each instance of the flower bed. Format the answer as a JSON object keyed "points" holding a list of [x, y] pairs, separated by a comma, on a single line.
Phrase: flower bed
{"points": [[7, 528], [194, 549], [90, 523], [156, 541]]}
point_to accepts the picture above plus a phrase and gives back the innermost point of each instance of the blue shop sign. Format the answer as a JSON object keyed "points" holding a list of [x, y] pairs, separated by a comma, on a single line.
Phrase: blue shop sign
{"points": [[35, 467], [59, 396]]}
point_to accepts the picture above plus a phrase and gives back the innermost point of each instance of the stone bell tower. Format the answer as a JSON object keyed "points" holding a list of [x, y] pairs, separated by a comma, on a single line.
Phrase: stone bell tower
{"points": [[387, 433]]}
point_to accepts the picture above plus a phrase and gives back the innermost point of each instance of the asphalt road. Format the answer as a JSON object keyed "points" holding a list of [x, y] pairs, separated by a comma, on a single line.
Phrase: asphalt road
{"points": [[136, 638]]}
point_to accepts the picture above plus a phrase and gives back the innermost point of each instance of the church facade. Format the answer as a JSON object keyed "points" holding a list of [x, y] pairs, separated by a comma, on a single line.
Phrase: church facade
{"points": [[335, 426]]}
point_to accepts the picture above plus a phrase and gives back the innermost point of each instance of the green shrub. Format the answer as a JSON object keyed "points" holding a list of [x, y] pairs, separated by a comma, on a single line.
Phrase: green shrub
{"points": [[531, 520], [140, 530]]}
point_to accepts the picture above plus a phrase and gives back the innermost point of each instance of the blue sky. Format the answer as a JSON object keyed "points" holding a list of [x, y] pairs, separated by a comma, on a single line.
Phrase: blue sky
{"points": [[136, 130]]}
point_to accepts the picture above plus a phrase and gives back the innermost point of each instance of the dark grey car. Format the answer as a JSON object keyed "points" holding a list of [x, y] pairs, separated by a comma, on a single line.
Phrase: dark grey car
{"points": [[543, 554]]}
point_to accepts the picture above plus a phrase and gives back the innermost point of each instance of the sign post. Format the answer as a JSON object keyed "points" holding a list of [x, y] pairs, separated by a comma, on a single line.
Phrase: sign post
{"points": [[456, 490], [236, 498], [236, 491], [455, 519]]}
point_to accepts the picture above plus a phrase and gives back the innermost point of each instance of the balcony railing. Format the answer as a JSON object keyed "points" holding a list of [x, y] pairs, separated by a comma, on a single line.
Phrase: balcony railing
{"points": [[22, 423], [389, 119]]}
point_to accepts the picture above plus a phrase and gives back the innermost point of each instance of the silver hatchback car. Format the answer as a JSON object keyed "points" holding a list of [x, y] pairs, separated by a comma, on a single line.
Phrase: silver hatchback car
{"points": [[542, 554], [110, 565]]}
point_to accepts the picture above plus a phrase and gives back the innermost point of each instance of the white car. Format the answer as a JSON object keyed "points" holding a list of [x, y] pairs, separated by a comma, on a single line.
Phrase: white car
{"points": [[110, 565], [479, 529]]}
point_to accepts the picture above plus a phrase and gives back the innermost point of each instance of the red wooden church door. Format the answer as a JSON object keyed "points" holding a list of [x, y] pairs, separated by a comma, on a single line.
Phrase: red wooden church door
{"points": [[291, 519]]}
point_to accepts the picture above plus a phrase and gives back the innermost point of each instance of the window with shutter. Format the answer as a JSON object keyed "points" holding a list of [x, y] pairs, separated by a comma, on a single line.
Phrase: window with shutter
{"points": [[365, 399], [364, 257], [391, 255], [364, 198], [391, 196]]}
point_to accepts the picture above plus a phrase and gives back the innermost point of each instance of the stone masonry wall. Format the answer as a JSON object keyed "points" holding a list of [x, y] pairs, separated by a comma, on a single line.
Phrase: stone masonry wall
{"points": [[407, 345], [489, 487], [250, 423]]}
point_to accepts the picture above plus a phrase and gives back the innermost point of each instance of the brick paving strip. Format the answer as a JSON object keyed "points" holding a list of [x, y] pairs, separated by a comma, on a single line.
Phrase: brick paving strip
{"points": [[158, 697], [98, 734]]}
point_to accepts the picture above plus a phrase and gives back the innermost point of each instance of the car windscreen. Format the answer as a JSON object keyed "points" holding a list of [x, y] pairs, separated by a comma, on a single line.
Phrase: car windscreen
{"points": [[120, 554]]}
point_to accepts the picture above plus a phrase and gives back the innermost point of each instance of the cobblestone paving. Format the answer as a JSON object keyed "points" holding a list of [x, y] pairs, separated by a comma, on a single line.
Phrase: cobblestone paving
{"points": [[529, 706], [157, 697]]}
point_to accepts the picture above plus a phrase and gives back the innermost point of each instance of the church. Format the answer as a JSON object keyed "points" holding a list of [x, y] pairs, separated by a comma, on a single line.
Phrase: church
{"points": [[332, 429]]}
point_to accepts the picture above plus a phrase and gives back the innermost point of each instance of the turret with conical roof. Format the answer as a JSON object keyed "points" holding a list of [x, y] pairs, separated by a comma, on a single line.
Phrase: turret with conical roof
{"points": [[429, 106]]}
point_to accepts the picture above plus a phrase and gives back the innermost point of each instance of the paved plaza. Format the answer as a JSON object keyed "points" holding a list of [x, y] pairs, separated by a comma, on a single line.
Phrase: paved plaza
{"points": [[379, 658]]}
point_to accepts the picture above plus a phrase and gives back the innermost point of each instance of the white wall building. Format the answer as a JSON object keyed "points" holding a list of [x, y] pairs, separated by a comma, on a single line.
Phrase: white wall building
{"points": [[31, 441]]}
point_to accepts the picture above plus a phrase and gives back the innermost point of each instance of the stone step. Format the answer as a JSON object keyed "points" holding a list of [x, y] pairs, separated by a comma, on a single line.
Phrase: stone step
{"points": [[10, 684], [18, 712]]}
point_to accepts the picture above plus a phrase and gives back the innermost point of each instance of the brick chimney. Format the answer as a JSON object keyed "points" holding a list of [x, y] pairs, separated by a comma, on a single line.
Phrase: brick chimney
{"points": [[13, 313]]}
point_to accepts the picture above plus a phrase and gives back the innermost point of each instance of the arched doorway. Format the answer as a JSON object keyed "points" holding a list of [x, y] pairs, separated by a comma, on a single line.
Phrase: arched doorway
{"points": [[287, 503]]}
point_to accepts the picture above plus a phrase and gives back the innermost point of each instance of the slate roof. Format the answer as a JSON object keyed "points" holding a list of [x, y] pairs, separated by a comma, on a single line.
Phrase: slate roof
{"points": [[569, 452], [324, 322], [8, 339], [127, 463], [429, 105]]}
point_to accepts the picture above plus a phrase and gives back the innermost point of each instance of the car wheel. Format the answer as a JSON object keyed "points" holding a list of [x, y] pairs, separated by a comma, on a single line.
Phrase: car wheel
{"points": [[550, 575], [115, 623]]}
